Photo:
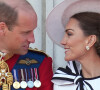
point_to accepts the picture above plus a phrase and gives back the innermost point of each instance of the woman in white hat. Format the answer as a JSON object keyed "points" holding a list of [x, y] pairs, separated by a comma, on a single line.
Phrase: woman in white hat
{"points": [[76, 28]]}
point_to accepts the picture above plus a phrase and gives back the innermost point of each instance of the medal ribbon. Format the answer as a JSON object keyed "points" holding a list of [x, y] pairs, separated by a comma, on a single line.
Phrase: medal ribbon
{"points": [[29, 75], [22, 74], [32, 74], [36, 76], [36, 73], [37, 83], [26, 75], [15, 74]]}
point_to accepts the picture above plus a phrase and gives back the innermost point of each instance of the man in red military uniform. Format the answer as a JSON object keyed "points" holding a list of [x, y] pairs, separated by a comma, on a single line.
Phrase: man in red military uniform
{"points": [[44, 66], [21, 68]]}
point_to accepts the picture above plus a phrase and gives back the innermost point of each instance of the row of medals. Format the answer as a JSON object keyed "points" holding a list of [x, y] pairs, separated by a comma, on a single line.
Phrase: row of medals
{"points": [[6, 78], [29, 78]]}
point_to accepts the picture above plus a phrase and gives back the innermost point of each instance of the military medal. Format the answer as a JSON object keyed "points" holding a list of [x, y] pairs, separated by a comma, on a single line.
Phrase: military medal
{"points": [[23, 83], [16, 84], [37, 83], [6, 77], [30, 83]]}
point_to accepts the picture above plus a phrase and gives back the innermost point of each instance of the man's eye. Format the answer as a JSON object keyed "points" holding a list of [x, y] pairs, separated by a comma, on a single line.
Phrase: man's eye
{"points": [[27, 32], [69, 34]]}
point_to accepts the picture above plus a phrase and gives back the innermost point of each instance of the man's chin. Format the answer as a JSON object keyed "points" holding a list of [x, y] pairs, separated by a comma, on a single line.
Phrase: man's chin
{"points": [[22, 52]]}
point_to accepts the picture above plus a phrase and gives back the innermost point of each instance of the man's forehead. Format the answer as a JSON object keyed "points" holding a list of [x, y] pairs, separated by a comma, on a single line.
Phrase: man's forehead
{"points": [[11, 2], [16, 3], [22, 6]]}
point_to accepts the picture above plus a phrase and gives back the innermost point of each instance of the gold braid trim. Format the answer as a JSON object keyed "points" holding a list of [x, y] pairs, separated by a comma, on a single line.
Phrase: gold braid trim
{"points": [[39, 51]]}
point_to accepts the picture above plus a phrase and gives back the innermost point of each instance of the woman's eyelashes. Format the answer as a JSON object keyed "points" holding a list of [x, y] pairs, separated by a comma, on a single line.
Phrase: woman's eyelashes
{"points": [[68, 32]]}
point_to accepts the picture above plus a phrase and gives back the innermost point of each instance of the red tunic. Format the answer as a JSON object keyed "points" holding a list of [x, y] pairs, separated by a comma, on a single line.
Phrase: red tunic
{"points": [[45, 72]]}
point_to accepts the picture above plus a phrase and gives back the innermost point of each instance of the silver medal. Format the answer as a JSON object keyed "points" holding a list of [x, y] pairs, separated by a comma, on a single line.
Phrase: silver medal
{"points": [[23, 84], [37, 83], [30, 84]]}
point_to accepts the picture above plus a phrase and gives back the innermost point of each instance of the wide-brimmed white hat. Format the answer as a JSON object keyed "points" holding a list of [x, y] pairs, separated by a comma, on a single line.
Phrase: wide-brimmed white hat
{"points": [[55, 24]]}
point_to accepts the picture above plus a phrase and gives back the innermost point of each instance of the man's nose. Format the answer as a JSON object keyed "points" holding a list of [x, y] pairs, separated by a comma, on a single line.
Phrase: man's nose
{"points": [[31, 38]]}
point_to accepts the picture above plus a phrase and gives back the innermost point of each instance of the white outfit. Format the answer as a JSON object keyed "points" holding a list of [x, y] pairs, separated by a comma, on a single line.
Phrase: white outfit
{"points": [[71, 79]]}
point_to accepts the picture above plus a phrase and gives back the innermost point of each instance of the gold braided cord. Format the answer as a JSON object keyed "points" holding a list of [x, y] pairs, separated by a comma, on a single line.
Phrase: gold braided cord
{"points": [[6, 77]]}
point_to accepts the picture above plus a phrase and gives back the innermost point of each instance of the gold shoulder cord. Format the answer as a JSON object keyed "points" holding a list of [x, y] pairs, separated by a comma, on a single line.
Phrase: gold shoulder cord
{"points": [[40, 51], [6, 77]]}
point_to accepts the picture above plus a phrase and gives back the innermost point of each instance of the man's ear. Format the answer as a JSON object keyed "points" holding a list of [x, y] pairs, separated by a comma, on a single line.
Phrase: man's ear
{"points": [[2, 28], [91, 40]]}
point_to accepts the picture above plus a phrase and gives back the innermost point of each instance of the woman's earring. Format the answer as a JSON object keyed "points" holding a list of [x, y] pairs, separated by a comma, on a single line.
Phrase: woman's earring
{"points": [[87, 47]]}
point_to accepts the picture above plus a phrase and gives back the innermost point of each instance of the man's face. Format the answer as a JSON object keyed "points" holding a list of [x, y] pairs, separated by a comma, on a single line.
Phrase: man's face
{"points": [[18, 40]]}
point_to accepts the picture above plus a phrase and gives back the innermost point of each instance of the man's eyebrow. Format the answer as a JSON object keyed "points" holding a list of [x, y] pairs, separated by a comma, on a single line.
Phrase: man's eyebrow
{"points": [[68, 30]]}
